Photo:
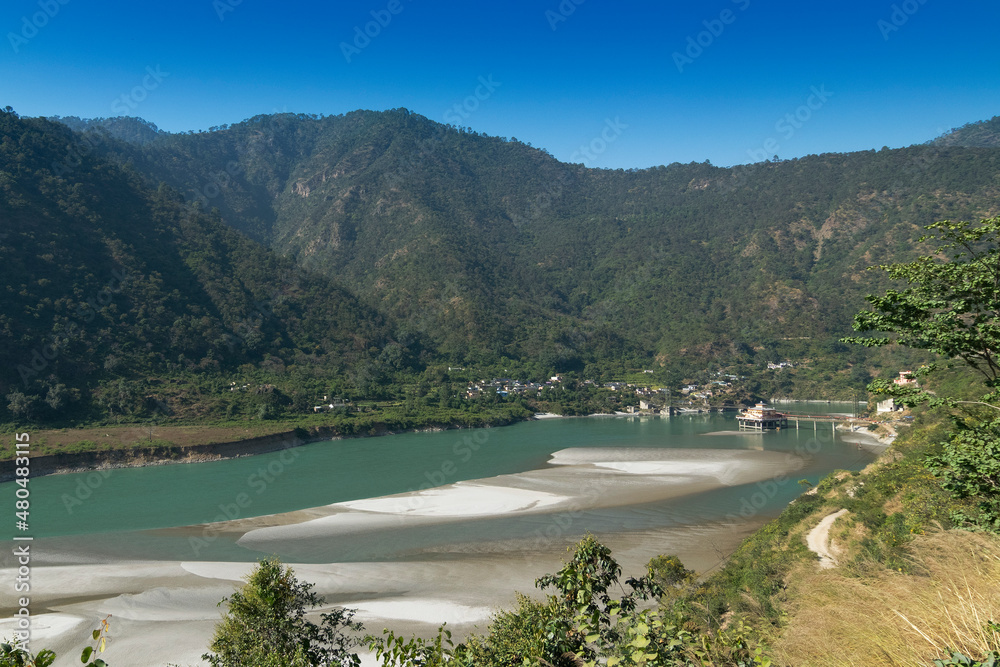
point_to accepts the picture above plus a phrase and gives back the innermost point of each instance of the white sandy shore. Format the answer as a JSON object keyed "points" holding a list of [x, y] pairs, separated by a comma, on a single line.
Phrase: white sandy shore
{"points": [[462, 499], [579, 478], [865, 438], [166, 611]]}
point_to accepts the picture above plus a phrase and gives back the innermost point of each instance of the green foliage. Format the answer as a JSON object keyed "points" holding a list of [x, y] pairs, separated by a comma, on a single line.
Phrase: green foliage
{"points": [[394, 651], [952, 308], [752, 581], [100, 637], [265, 624], [13, 654], [969, 467], [111, 283], [992, 659], [517, 635], [484, 248]]}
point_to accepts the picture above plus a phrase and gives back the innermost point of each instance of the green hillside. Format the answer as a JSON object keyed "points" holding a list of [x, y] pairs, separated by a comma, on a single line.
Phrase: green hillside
{"points": [[360, 254], [490, 247], [112, 288]]}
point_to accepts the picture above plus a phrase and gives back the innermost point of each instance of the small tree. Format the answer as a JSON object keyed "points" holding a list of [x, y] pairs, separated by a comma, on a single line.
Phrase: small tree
{"points": [[951, 307], [266, 625], [20, 404]]}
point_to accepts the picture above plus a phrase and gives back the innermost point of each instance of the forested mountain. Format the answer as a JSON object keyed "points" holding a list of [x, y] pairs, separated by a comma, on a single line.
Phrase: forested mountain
{"points": [[108, 283], [489, 247], [395, 242], [981, 134], [126, 128]]}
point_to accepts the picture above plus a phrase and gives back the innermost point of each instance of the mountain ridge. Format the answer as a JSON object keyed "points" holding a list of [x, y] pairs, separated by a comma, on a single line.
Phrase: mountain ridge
{"points": [[408, 243]]}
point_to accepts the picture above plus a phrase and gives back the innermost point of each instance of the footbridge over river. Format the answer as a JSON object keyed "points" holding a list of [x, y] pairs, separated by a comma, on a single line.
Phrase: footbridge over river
{"points": [[762, 417]]}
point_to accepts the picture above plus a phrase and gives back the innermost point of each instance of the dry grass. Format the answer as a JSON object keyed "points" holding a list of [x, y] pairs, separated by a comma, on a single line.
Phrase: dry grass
{"points": [[54, 441], [899, 619]]}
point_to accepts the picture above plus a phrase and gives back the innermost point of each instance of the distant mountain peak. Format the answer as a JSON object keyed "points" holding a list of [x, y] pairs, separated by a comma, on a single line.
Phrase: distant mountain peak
{"points": [[124, 128], [981, 134]]}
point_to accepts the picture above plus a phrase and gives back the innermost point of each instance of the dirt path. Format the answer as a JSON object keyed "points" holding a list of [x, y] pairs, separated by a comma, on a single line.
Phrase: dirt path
{"points": [[818, 540]]}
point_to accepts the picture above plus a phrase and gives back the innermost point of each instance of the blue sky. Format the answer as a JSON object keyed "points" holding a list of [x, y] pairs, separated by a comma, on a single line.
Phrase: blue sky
{"points": [[632, 84]]}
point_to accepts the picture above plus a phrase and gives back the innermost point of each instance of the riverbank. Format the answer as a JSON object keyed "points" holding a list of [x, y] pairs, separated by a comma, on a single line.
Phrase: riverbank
{"points": [[173, 445], [409, 561]]}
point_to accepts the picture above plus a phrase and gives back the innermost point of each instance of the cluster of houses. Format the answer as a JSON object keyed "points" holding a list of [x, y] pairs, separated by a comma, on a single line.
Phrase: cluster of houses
{"points": [[649, 399], [506, 387], [331, 404], [777, 367]]}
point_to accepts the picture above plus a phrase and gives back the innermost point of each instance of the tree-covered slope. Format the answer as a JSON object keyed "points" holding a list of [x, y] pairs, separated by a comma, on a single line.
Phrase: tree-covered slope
{"points": [[981, 134], [106, 280], [490, 247]]}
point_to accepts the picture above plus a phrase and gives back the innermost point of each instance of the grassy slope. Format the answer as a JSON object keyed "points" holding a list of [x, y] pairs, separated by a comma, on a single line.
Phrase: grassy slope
{"points": [[908, 587]]}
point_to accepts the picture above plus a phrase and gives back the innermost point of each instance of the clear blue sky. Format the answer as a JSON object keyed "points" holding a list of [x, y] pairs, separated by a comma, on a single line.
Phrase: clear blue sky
{"points": [[564, 70]]}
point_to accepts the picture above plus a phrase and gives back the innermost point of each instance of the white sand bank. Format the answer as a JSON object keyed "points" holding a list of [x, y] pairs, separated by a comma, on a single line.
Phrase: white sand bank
{"points": [[166, 611], [419, 610], [462, 499]]}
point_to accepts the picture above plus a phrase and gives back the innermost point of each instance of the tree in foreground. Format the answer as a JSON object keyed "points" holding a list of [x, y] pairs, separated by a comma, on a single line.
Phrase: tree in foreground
{"points": [[266, 625], [14, 654], [951, 307], [591, 618]]}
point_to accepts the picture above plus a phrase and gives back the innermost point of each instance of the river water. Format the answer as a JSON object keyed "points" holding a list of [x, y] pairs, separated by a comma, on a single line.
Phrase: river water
{"points": [[413, 528]]}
